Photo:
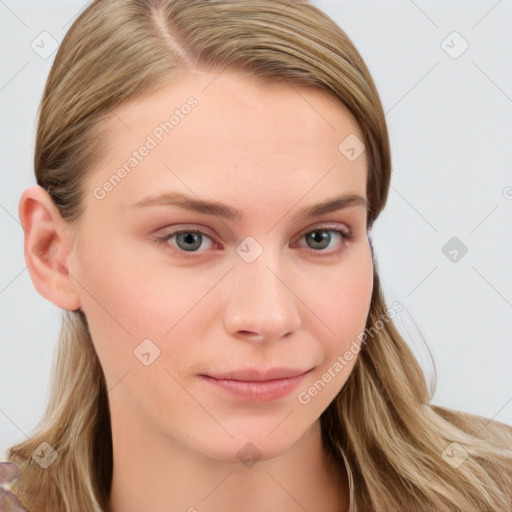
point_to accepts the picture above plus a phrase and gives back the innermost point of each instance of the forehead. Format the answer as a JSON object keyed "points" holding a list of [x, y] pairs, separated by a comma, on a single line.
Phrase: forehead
{"points": [[230, 137]]}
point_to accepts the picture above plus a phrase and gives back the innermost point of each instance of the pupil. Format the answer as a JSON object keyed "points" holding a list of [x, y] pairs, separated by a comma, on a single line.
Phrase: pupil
{"points": [[190, 238], [319, 237]]}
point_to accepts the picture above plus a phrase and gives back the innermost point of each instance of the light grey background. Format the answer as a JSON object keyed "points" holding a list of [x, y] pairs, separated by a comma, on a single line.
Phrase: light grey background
{"points": [[450, 123]]}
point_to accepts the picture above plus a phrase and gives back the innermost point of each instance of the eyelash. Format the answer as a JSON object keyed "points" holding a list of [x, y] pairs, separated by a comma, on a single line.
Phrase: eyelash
{"points": [[346, 235]]}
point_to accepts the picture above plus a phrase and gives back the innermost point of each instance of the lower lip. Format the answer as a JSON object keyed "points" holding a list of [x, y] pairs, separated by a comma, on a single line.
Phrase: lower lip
{"points": [[260, 391]]}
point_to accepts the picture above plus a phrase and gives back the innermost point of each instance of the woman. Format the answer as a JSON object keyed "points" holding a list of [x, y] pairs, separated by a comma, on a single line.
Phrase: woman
{"points": [[208, 177]]}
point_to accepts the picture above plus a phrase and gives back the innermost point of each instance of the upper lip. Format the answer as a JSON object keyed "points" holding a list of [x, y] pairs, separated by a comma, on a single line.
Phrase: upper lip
{"points": [[256, 375]]}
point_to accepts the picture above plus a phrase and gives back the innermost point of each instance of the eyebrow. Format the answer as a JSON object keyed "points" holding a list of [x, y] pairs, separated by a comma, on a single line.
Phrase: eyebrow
{"points": [[212, 207]]}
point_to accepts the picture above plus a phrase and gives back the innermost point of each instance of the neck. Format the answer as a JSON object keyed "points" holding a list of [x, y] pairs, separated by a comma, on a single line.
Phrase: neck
{"points": [[157, 474]]}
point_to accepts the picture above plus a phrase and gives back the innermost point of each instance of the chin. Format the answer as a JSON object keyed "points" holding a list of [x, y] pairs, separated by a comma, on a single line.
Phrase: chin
{"points": [[251, 444]]}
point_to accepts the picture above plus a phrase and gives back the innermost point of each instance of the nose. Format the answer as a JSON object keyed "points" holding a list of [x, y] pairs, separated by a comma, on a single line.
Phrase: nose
{"points": [[262, 304]]}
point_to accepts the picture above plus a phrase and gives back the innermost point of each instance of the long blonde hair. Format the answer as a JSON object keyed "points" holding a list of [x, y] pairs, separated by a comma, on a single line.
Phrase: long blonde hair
{"points": [[381, 426]]}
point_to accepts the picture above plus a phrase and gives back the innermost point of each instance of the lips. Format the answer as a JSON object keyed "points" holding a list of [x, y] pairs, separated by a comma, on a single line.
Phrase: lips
{"points": [[255, 384], [256, 375]]}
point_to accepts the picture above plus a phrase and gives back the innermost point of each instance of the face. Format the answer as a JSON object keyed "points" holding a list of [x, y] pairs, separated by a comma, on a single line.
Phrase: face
{"points": [[187, 308]]}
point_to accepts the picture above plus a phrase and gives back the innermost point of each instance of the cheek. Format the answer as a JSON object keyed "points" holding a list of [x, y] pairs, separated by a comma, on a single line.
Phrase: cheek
{"points": [[346, 301], [344, 306], [127, 301]]}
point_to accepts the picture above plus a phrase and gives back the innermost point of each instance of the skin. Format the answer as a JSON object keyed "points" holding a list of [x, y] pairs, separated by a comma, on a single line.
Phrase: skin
{"points": [[268, 150]]}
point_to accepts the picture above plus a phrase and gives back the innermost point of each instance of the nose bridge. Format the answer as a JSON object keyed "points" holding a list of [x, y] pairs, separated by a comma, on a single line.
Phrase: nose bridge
{"points": [[260, 302]]}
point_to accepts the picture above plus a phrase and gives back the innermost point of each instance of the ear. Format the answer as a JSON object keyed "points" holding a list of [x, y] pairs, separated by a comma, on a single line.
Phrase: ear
{"points": [[48, 244]]}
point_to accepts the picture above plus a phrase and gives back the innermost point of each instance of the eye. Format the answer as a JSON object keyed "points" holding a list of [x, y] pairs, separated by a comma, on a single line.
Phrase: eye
{"points": [[187, 241], [320, 238]]}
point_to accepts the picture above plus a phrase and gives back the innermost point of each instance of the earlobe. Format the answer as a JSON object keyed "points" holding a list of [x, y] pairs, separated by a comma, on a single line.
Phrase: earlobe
{"points": [[47, 246]]}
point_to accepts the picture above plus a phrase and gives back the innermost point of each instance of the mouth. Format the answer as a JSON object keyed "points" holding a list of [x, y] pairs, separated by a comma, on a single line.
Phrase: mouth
{"points": [[259, 385]]}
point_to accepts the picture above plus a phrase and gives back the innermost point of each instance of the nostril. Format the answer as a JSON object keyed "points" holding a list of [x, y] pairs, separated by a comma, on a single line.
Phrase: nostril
{"points": [[252, 335]]}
